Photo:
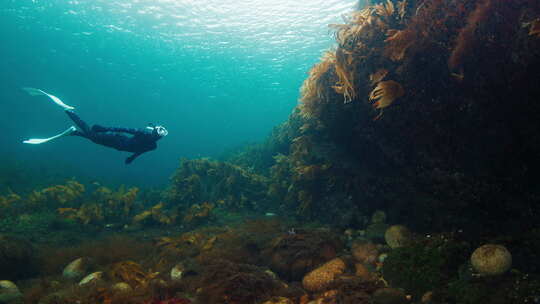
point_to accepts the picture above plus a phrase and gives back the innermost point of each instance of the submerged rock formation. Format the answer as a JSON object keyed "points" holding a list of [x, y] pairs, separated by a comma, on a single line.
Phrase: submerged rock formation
{"points": [[458, 139]]}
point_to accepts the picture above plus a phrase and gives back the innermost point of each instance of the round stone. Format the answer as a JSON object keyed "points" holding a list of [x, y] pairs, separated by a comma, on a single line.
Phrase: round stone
{"points": [[491, 259], [75, 269]]}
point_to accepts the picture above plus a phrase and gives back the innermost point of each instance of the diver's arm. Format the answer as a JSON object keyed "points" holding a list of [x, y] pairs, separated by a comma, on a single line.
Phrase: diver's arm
{"points": [[132, 157]]}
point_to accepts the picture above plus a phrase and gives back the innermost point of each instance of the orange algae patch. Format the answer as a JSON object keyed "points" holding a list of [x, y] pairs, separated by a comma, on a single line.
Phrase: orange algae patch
{"points": [[313, 89]]}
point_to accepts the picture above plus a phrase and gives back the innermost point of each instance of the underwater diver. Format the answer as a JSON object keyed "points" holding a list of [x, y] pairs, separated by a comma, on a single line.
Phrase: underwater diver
{"points": [[138, 142]]}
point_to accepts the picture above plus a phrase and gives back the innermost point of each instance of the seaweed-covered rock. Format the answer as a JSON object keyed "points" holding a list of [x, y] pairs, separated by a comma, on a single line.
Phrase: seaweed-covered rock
{"points": [[293, 255], [467, 288], [203, 180], [458, 84], [389, 296], [226, 282], [425, 265], [17, 258]]}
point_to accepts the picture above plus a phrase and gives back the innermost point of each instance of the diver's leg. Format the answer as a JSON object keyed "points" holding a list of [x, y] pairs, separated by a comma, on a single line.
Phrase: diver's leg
{"points": [[78, 121]]}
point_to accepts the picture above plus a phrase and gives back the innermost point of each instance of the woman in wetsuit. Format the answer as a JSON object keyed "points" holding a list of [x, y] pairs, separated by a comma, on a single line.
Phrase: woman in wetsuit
{"points": [[137, 141]]}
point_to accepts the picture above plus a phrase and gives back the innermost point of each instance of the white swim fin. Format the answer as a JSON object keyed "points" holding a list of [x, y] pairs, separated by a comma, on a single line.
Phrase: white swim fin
{"points": [[37, 141], [36, 92]]}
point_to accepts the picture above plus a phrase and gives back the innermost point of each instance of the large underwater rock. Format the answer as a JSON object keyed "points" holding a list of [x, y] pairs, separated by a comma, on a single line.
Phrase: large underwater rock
{"points": [[17, 258], [454, 136]]}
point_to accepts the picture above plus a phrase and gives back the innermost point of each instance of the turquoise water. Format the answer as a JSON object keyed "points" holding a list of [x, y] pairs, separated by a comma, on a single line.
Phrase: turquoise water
{"points": [[216, 74]]}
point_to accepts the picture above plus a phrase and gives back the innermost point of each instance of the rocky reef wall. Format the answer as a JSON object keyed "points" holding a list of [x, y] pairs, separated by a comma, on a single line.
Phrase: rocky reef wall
{"points": [[428, 109]]}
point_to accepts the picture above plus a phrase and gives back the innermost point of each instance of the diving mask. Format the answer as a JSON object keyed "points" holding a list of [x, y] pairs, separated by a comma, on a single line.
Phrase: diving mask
{"points": [[160, 130]]}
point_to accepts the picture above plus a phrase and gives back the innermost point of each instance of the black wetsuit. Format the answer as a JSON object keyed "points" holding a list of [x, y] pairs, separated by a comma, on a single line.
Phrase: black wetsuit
{"points": [[141, 141]]}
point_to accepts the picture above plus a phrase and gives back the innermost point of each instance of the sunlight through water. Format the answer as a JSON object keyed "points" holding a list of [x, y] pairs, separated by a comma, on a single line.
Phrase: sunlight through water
{"points": [[200, 37], [218, 73]]}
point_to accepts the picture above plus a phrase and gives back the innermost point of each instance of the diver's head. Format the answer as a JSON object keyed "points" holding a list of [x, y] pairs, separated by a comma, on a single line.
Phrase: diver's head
{"points": [[158, 130], [161, 131]]}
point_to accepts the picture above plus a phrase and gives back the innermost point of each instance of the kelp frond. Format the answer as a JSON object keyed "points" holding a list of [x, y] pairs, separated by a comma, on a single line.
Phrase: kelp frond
{"points": [[385, 93], [361, 16], [347, 35], [312, 90], [402, 8], [385, 10], [378, 76], [397, 43], [534, 29], [345, 70], [357, 23]]}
